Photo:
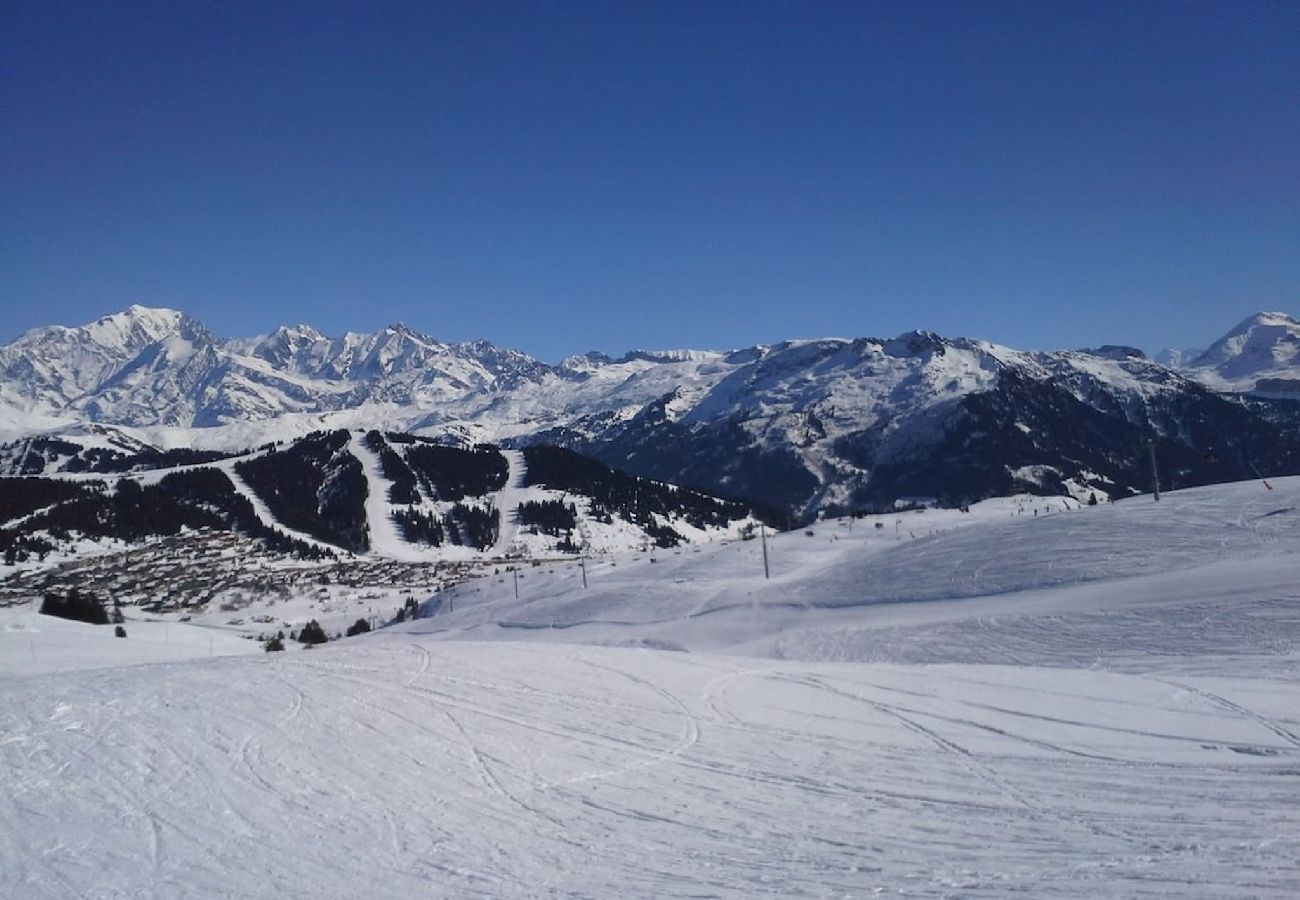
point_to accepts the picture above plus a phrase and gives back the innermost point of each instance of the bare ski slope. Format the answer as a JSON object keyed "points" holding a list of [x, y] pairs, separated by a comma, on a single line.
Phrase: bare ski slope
{"points": [[1059, 726], [1035, 554]]}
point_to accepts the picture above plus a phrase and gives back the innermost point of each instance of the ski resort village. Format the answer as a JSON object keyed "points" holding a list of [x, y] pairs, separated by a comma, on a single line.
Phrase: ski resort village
{"points": [[381, 616]]}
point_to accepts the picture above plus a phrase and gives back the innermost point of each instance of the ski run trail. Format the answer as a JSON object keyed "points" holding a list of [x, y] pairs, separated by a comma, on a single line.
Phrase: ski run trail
{"points": [[384, 538], [1095, 702], [260, 508], [507, 502]]}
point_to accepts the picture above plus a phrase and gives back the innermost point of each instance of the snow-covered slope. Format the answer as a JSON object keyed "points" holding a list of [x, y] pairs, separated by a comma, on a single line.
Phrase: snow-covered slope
{"points": [[1261, 353], [51, 369], [825, 580], [1131, 736]]}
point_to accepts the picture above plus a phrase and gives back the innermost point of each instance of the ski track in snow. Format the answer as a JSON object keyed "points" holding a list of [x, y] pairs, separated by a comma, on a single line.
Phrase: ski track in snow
{"points": [[384, 539], [495, 769], [507, 502], [1138, 737]]}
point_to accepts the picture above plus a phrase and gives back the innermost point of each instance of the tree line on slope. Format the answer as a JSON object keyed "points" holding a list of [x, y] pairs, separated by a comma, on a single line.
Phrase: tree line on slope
{"points": [[403, 488], [463, 525], [453, 473], [194, 499], [637, 500], [314, 486]]}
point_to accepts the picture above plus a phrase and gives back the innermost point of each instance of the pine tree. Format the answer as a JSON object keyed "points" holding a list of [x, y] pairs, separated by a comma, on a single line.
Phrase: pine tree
{"points": [[312, 633]]}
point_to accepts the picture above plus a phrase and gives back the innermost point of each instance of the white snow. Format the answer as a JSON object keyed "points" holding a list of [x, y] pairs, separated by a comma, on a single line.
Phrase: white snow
{"points": [[1093, 702], [507, 502], [384, 539], [1263, 346]]}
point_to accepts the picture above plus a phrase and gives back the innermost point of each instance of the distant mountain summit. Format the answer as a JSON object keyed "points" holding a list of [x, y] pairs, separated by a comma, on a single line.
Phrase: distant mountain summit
{"points": [[1265, 346], [810, 425], [1177, 357], [144, 367]]}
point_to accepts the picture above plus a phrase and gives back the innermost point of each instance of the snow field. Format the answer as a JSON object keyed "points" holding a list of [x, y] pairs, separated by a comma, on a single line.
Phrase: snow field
{"points": [[1099, 702], [394, 767], [853, 575]]}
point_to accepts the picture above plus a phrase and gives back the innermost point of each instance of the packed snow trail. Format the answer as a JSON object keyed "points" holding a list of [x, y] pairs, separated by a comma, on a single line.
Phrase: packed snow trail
{"points": [[838, 577], [395, 768], [384, 538], [507, 502], [1137, 735]]}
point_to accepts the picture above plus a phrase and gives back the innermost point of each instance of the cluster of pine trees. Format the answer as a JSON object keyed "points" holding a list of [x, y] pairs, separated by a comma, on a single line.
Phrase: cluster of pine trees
{"points": [[419, 528], [75, 605], [194, 498], [404, 488], [551, 517], [462, 525], [452, 474], [22, 547], [314, 486], [628, 497], [472, 526]]}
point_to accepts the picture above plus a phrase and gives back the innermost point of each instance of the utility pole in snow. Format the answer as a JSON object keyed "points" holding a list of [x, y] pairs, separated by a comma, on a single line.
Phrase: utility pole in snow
{"points": [[1155, 472], [1261, 477], [515, 572], [582, 564], [762, 530]]}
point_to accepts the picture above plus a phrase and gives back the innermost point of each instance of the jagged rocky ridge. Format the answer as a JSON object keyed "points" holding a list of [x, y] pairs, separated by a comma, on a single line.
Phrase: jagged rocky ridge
{"points": [[807, 426]]}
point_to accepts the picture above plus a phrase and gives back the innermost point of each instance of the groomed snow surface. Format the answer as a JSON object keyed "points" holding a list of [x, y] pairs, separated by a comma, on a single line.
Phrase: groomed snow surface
{"points": [[1092, 702]]}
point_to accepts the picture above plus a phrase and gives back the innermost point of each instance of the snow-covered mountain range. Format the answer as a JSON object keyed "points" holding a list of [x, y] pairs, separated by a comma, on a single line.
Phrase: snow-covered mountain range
{"points": [[809, 425]]}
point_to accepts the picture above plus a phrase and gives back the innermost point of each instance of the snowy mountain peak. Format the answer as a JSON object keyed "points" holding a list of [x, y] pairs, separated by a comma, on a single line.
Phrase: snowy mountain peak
{"points": [[1177, 357], [133, 328], [54, 366], [1265, 345]]}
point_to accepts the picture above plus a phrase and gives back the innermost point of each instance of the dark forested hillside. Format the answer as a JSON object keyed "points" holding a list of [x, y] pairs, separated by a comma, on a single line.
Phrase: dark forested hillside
{"points": [[615, 493], [22, 496], [43, 455], [314, 486], [196, 498], [452, 474], [404, 489]]}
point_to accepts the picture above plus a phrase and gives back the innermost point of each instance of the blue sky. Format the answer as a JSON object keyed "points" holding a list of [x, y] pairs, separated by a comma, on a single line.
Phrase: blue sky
{"points": [[560, 177]]}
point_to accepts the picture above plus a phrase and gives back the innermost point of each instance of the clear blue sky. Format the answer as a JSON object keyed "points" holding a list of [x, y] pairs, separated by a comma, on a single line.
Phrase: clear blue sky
{"points": [[605, 175]]}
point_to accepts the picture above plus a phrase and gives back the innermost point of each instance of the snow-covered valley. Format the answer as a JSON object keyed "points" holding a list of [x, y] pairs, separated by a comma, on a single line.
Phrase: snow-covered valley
{"points": [[1087, 701]]}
